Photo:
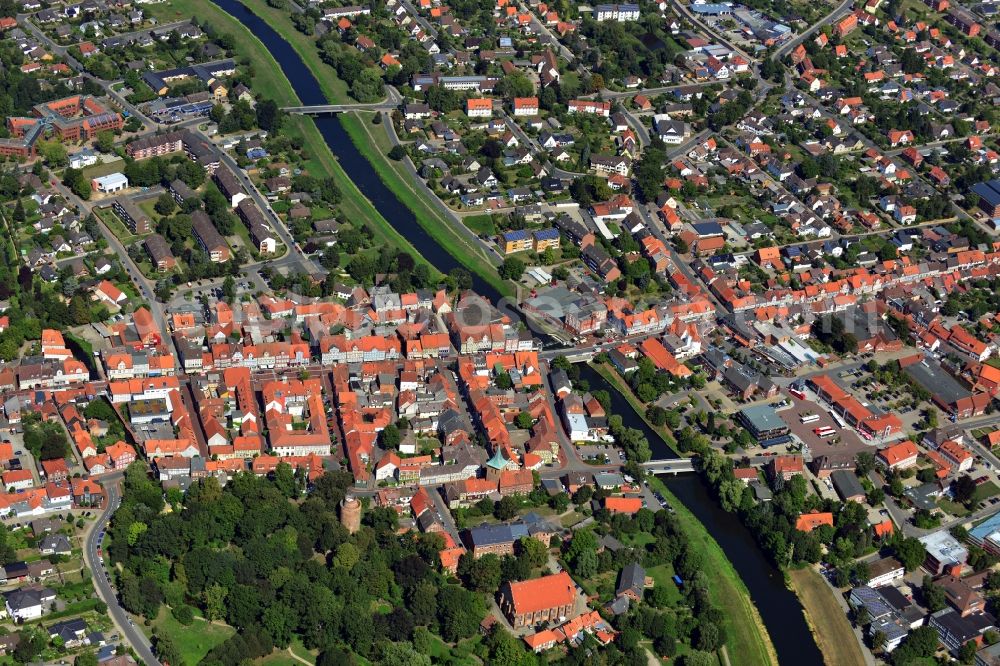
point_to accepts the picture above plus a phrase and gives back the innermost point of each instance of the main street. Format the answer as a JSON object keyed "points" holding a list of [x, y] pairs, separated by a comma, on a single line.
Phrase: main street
{"points": [[295, 254], [101, 577]]}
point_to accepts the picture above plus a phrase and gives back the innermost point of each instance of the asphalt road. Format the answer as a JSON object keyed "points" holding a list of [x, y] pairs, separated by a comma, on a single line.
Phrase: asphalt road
{"points": [[121, 619]]}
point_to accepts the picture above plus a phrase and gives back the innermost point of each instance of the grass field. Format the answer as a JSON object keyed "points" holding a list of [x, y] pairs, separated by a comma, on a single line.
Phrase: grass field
{"points": [[375, 145], [747, 636], [836, 641], [195, 641], [481, 224], [103, 169], [662, 575], [117, 228], [984, 491]]}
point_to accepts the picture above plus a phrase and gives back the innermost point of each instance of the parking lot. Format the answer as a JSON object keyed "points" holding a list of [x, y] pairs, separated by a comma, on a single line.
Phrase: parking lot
{"points": [[844, 445]]}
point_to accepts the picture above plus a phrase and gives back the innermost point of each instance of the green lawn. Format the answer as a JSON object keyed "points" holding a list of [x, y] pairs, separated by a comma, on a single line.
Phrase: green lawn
{"points": [[460, 655], [300, 651], [747, 636], [103, 169], [194, 641], [481, 224], [149, 208], [116, 226], [662, 576], [984, 491], [375, 145]]}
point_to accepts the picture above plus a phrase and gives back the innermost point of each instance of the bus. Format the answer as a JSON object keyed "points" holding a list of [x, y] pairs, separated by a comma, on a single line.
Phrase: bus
{"points": [[824, 432], [809, 418], [798, 393], [838, 418]]}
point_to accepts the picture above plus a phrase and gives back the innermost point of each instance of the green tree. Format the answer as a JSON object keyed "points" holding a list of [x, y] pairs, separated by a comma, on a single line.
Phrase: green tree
{"points": [[269, 116], [167, 650], [53, 152], [459, 612], [229, 289], [523, 420], [165, 204], [105, 141], [532, 551], [964, 489], [933, 595], [390, 437], [910, 552], [511, 269], [559, 502], [506, 508]]}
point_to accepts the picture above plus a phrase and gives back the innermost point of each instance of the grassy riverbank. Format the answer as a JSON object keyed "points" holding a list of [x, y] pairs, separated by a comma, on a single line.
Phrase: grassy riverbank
{"points": [[374, 143], [837, 640], [613, 378], [334, 89], [747, 639], [270, 81]]}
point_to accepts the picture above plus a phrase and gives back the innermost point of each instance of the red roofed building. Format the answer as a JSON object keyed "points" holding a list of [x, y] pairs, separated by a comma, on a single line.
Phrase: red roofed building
{"points": [[884, 529], [956, 454], [628, 505], [55, 470], [785, 466], [807, 522], [654, 350], [529, 602], [899, 456], [519, 482]]}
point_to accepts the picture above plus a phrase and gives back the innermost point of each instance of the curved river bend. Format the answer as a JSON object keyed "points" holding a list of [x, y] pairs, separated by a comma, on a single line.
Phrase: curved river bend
{"points": [[779, 608], [353, 162]]}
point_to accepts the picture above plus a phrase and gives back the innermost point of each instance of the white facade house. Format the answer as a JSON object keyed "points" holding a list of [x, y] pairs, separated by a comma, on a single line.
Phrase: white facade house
{"points": [[113, 182]]}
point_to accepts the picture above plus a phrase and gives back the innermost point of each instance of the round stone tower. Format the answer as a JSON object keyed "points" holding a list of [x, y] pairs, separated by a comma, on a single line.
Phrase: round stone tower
{"points": [[350, 514]]}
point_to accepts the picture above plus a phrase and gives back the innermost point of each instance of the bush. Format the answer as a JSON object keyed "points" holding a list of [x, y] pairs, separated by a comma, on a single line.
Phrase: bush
{"points": [[184, 614]]}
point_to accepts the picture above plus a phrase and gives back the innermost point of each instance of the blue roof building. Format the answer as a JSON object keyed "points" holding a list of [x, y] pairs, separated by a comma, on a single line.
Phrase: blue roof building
{"points": [[546, 234]]}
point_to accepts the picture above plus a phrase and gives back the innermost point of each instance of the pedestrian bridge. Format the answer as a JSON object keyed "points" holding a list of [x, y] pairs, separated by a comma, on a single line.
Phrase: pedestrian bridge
{"points": [[670, 466]]}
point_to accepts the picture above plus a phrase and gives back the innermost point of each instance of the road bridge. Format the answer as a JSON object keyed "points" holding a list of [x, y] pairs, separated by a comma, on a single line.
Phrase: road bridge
{"points": [[330, 109], [670, 466]]}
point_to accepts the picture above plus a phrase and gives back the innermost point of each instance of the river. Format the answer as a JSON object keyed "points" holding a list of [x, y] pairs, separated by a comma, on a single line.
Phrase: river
{"points": [[779, 608], [357, 167]]}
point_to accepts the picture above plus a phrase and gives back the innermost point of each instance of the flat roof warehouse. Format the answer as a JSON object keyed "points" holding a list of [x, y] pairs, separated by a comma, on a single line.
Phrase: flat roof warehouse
{"points": [[933, 377]]}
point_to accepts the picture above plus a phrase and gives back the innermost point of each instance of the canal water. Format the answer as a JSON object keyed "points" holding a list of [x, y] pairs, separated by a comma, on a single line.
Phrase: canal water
{"points": [[354, 163], [779, 608]]}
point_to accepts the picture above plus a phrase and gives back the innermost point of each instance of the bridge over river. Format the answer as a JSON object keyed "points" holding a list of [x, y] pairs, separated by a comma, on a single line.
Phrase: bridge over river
{"points": [[669, 466]]}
